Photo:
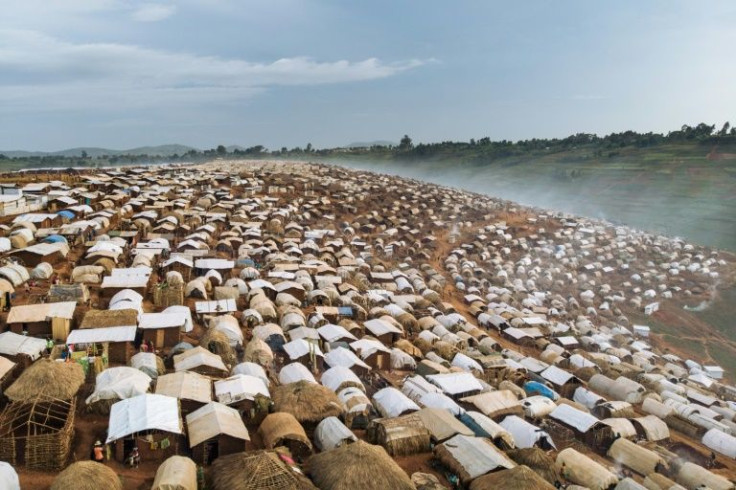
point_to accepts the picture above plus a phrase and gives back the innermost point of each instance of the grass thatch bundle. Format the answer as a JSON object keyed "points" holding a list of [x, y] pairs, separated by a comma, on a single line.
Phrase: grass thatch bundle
{"points": [[102, 407], [258, 351], [423, 345], [352, 327], [110, 318], [87, 475], [60, 380], [409, 348], [256, 470], [218, 343], [586, 373], [445, 350], [537, 459], [358, 465], [307, 402], [519, 478], [408, 322], [106, 263]]}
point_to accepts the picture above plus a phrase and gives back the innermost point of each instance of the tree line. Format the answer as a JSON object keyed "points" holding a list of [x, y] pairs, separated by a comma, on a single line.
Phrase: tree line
{"points": [[482, 148]]}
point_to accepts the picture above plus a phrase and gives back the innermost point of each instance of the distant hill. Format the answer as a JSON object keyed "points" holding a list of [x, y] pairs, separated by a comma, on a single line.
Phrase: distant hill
{"points": [[94, 152], [368, 144]]}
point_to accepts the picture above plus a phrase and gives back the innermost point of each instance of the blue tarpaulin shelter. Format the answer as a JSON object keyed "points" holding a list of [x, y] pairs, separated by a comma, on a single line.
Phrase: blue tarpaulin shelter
{"points": [[66, 214], [55, 239], [537, 388]]}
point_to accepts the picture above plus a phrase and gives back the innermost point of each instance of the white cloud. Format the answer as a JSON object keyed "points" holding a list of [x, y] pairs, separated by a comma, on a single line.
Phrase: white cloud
{"points": [[43, 72], [153, 12]]}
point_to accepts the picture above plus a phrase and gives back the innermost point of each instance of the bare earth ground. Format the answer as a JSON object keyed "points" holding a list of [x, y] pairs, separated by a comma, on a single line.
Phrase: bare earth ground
{"points": [[674, 329]]}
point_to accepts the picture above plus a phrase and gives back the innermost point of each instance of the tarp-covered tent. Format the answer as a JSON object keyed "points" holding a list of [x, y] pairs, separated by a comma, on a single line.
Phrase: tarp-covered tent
{"points": [[176, 473]]}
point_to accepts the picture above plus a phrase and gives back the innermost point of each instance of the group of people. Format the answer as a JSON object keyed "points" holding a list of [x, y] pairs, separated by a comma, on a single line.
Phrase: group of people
{"points": [[99, 455]]}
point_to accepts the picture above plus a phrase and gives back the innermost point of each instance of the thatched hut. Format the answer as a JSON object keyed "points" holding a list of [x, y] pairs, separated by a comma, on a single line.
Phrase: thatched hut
{"points": [[400, 436], [256, 470], [59, 380], [258, 351], [87, 475], [358, 465], [37, 433], [218, 343], [519, 478], [538, 460], [283, 429], [308, 402], [176, 473]]}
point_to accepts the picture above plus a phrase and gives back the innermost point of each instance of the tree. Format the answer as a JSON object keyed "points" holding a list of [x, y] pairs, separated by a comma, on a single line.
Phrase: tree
{"points": [[406, 143], [84, 154], [724, 130], [309, 147], [221, 150]]}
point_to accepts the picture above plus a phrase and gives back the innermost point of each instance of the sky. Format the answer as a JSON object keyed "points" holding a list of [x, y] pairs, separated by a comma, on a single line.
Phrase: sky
{"points": [[121, 73]]}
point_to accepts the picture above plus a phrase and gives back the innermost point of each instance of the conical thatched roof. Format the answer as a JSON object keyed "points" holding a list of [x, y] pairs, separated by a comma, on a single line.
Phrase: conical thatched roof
{"points": [[308, 402], [358, 465], [256, 470], [519, 478], [87, 475], [60, 380]]}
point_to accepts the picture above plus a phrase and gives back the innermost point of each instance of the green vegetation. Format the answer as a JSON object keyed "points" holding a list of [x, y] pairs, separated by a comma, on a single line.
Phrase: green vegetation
{"points": [[686, 142]]}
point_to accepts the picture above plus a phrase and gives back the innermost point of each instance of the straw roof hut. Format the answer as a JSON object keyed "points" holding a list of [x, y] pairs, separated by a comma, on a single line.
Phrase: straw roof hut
{"points": [[60, 380], [357, 465], [283, 429], [217, 342], [87, 475], [258, 351], [519, 478], [400, 436], [540, 461], [110, 318], [256, 470], [308, 402]]}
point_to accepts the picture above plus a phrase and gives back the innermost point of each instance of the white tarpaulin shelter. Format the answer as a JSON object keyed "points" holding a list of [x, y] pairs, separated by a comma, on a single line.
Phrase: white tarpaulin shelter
{"points": [[8, 477], [119, 382], [12, 344], [141, 413], [720, 442]]}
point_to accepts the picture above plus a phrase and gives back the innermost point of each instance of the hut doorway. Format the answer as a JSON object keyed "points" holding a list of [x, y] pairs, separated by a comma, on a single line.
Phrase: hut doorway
{"points": [[211, 452]]}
